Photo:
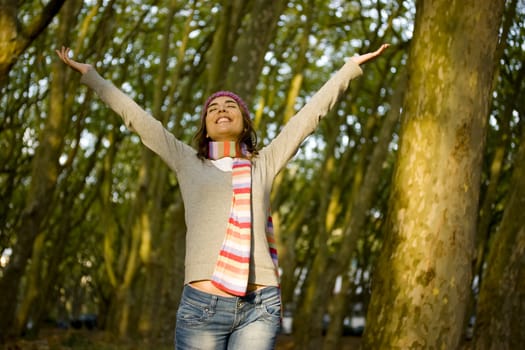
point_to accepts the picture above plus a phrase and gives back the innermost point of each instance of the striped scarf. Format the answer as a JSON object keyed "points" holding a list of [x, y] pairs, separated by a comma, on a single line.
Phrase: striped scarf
{"points": [[233, 264]]}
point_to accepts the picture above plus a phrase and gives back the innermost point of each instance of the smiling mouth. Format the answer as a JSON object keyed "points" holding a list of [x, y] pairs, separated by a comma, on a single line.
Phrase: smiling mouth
{"points": [[223, 120]]}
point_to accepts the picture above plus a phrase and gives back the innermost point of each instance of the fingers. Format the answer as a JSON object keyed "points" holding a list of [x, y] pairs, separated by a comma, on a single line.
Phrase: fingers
{"points": [[60, 53], [63, 53], [382, 48]]}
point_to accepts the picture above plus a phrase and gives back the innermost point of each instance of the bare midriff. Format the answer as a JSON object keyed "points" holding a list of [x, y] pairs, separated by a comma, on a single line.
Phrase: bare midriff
{"points": [[208, 287]]}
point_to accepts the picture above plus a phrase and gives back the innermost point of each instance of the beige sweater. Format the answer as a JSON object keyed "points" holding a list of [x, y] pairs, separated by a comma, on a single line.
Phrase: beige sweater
{"points": [[207, 190]]}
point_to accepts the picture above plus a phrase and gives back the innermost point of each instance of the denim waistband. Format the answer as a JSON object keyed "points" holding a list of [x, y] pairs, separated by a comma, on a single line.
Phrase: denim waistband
{"points": [[205, 298]]}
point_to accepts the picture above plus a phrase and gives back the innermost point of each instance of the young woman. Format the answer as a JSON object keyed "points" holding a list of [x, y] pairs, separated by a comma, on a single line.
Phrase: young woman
{"points": [[231, 297]]}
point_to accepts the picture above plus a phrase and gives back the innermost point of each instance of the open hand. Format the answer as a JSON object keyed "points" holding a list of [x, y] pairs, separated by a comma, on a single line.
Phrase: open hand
{"points": [[63, 53], [371, 55], [381, 49]]}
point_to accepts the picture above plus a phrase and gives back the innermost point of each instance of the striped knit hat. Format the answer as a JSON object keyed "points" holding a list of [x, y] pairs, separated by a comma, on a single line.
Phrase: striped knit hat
{"points": [[237, 99]]}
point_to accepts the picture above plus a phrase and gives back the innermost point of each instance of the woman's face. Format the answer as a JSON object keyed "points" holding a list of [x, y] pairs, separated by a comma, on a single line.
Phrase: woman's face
{"points": [[224, 121]]}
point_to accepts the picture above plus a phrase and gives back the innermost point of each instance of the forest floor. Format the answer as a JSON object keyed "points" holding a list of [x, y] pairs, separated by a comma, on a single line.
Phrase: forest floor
{"points": [[57, 339]]}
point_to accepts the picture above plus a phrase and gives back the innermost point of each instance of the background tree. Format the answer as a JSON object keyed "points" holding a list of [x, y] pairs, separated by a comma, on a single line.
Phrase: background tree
{"points": [[498, 318], [500, 323], [45, 167], [16, 35]]}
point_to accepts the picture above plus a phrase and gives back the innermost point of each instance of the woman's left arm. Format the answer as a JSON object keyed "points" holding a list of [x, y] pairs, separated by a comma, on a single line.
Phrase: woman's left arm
{"points": [[302, 124]]}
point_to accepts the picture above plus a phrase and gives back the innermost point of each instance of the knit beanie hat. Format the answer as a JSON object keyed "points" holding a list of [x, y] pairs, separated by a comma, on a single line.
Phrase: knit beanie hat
{"points": [[236, 98]]}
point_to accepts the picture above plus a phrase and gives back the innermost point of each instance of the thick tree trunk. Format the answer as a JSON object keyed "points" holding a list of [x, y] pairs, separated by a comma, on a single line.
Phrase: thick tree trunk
{"points": [[422, 279]]}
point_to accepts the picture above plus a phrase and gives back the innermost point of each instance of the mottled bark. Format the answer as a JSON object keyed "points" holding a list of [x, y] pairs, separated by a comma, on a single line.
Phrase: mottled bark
{"points": [[422, 279]]}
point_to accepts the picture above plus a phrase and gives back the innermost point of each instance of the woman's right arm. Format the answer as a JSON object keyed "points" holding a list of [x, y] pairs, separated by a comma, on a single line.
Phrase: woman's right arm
{"points": [[151, 131]]}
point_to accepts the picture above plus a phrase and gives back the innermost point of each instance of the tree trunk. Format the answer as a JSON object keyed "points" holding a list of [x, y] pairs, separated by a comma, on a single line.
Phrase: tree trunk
{"points": [[286, 238], [500, 321], [496, 168], [259, 31], [226, 35], [337, 310], [422, 279], [312, 306], [44, 176], [148, 310]]}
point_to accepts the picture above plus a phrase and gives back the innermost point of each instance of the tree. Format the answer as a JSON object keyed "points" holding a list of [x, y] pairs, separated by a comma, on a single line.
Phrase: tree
{"points": [[41, 190], [422, 279], [15, 36], [500, 322]]}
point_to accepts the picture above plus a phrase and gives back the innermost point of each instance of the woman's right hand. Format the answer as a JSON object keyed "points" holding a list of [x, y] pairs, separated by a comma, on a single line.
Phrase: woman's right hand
{"points": [[63, 53]]}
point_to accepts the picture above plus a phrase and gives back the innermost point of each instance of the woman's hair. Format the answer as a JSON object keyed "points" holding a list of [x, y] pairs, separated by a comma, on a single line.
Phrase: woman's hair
{"points": [[247, 137]]}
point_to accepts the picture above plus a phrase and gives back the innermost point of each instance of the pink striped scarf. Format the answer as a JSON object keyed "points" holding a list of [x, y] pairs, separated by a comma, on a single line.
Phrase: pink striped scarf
{"points": [[233, 264]]}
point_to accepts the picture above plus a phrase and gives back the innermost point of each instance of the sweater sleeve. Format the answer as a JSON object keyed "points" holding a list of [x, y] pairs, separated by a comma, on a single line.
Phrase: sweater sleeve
{"points": [[302, 124], [151, 131]]}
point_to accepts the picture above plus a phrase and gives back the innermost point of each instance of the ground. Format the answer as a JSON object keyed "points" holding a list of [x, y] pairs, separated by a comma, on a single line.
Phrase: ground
{"points": [[96, 340]]}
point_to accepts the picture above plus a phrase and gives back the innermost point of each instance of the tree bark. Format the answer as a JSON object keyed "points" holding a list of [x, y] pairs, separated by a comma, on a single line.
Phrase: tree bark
{"points": [[422, 279]]}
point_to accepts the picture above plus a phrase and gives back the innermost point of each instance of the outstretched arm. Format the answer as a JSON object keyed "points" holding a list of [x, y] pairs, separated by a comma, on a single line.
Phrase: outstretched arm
{"points": [[371, 55], [151, 131], [285, 145], [63, 53]]}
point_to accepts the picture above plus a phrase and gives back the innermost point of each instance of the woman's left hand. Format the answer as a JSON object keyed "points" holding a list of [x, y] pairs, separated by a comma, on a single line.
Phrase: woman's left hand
{"points": [[371, 55]]}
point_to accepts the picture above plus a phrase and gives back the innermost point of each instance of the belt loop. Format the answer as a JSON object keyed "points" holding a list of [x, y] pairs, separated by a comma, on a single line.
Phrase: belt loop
{"points": [[213, 302], [258, 297]]}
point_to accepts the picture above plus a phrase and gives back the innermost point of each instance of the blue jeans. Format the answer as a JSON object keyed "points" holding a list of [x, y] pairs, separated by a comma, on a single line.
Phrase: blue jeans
{"points": [[207, 321]]}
